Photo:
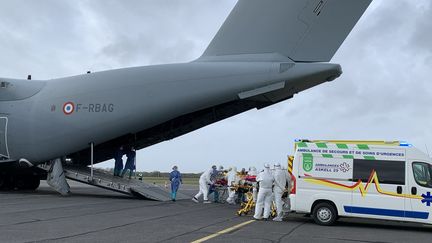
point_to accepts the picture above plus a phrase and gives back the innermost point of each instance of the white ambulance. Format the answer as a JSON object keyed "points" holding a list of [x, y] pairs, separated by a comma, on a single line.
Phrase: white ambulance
{"points": [[367, 179]]}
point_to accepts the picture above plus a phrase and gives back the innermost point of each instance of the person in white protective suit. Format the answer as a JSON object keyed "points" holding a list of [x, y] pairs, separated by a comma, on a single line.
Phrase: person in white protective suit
{"points": [[265, 182], [253, 172], [204, 182], [282, 182], [232, 179]]}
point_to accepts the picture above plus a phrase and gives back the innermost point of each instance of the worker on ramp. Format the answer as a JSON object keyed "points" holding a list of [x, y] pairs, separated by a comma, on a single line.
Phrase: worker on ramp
{"points": [[265, 182], [118, 157], [130, 162], [204, 182], [281, 183]]}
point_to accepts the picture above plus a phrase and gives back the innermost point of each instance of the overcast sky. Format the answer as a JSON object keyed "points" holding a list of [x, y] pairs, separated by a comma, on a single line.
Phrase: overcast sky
{"points": [[385, 92]]}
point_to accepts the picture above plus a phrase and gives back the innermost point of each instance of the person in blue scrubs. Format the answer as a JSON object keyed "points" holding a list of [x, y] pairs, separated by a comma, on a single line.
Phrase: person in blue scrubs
{"points": [[176, 180]]}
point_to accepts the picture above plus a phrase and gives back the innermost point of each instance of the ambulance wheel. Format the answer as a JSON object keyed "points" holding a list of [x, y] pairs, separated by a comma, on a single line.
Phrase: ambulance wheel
{"points": [[324, 214]]}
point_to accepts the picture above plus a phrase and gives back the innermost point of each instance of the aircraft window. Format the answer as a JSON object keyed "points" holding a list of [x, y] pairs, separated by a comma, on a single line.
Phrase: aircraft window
{"points": [[388, 172], [422, 174], [4, 85]]}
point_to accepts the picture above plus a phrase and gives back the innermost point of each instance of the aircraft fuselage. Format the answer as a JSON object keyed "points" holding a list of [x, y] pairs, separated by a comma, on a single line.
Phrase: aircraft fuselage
{"points": [[62, 116]]}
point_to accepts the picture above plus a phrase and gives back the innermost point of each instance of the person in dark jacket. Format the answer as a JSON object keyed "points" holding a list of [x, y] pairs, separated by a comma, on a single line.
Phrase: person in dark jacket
{"points": [[176, 180], [118, 157], [213, 189], [130, 163]]}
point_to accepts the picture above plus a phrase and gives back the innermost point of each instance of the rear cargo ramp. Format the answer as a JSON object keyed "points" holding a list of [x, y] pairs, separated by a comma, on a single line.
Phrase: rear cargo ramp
{"points": [[127, 186]]}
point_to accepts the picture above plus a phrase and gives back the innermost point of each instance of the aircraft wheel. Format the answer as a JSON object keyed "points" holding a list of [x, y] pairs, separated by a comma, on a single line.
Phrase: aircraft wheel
{"points": [[5, 182], [2, 182], [26, 182], [33, 183], [19, 183]]}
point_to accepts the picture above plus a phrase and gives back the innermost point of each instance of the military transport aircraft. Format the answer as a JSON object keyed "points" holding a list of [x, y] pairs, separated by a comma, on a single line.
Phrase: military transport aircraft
{"points": [[266, 52]]}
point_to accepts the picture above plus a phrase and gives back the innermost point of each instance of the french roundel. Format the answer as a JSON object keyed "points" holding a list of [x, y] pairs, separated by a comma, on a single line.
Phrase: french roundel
{"points": [[68, 108]]}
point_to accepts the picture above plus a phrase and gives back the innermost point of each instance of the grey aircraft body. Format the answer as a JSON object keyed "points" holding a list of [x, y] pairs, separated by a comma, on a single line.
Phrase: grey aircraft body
{"points": [[265, 52]]}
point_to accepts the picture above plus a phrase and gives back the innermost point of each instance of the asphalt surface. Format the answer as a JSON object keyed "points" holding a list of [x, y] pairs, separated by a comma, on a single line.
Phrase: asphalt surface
{"points": [[95, 215]]}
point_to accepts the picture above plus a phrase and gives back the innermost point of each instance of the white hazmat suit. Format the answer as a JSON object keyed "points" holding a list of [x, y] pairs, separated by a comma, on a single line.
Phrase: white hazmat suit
{"points": [[232, 179], [265, 181], [204, 181], [282, 181]]}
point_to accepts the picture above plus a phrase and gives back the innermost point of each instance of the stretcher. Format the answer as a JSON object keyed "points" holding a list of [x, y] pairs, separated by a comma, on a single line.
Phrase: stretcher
{"points": [[248, 185], [221, 189], [249, 205]]}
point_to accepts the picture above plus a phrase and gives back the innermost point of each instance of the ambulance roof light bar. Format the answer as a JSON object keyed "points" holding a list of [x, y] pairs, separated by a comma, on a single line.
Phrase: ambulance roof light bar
{"points": [[405, 144]]}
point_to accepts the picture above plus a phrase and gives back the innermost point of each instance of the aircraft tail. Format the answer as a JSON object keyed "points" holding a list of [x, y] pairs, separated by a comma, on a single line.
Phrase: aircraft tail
{"points": [[302, 30]]}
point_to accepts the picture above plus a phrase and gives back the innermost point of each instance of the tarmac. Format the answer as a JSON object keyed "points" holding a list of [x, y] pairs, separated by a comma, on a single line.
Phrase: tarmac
{"points": [[92, 214]]}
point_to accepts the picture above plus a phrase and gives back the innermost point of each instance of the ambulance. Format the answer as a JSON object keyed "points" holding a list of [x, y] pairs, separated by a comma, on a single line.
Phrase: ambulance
{"points": [[365, 179]]}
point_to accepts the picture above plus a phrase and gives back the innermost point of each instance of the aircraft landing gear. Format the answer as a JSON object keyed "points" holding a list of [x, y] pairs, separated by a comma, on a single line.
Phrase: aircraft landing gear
{"points": [[34, 183], [2, 182], [19, 182], [27, 182], [13, 176]]}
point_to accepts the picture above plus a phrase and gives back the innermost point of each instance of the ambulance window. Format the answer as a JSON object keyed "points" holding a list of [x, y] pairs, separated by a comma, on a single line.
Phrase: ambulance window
{"points": [[388, 172], [422, 174]]}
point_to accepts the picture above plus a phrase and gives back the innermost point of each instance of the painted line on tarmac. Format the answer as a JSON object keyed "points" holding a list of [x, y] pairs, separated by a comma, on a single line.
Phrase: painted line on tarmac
{"points": [[223, 231]]}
